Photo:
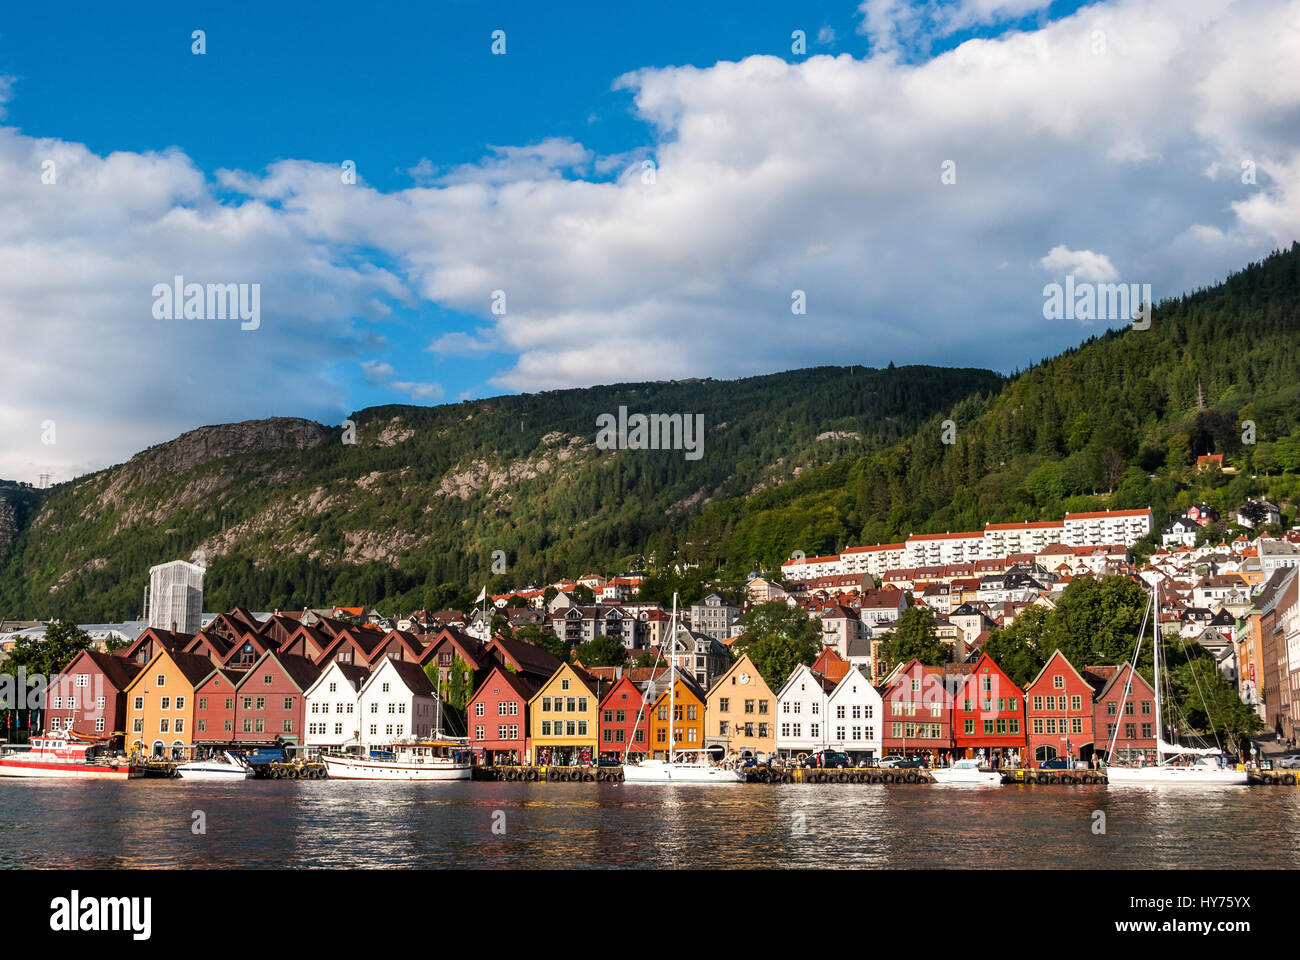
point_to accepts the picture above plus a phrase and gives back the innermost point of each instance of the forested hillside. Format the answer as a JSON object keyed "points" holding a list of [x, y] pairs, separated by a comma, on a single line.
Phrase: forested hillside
{"points": [[1115, 423], [287, 513]]}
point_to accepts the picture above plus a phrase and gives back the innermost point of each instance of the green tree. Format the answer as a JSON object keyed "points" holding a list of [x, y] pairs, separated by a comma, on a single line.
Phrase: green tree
{"points": [[1095, 621], [604, 651], [778, 638], [915, 637], [47, 656]]}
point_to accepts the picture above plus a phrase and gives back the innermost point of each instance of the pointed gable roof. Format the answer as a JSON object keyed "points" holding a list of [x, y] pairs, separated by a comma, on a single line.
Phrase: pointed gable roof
{"points": [[1057, 654], [527, 658], [118, 671]]}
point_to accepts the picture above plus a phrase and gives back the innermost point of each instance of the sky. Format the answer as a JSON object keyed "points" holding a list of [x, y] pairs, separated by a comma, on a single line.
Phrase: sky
{"points": [[431, 211]]}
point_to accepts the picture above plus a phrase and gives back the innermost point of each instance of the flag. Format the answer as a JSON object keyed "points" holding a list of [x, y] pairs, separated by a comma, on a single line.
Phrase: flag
{"points": [[482, 595]]}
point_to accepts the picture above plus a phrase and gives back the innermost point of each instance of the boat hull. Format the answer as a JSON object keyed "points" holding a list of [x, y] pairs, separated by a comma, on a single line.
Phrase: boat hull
{"points": [[212, 773], [1164, 776], [33, 769], [669, 773], [986, 778], [362, 769]]}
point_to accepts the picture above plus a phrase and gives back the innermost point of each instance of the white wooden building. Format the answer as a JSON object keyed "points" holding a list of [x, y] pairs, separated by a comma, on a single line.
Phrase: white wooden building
{"points": [[855, 717]]}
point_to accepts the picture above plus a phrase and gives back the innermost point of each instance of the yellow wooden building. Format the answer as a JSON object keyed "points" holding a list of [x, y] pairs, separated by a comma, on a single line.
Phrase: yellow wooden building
{"points": [[160, 703], [563, 718], [740, 711]]}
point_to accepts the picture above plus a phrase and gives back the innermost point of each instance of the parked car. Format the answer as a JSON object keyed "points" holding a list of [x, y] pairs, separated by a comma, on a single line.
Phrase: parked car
{"points": [[1056, 763], [1289, 763], [829, 758], [896, 762]]}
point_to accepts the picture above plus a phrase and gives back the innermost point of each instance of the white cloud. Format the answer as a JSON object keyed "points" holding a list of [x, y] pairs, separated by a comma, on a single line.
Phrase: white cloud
{"points": [[1084, 264], [821, 175]]}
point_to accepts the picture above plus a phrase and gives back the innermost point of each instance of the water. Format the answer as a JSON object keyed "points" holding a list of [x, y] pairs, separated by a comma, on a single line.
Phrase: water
{"points": [[148, 823]]}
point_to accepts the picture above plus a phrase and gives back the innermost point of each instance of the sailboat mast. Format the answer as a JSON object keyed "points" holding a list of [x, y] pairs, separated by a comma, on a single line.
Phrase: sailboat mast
{"points": [[672, 678], [1155, 660]]}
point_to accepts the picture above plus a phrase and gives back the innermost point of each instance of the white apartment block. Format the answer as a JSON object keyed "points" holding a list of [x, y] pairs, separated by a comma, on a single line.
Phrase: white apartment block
{"points": [[1109, 526], [874, 560], [810, 568], [1005, 539], [940, 549], [174, 600]]}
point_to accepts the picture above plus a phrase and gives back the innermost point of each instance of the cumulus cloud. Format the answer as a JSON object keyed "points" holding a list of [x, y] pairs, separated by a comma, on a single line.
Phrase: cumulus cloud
{"points": [[1084, 264], [825, 176]]}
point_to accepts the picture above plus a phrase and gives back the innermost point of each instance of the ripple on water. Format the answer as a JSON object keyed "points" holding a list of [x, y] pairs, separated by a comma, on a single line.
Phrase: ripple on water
{"points": [[266, 824]]}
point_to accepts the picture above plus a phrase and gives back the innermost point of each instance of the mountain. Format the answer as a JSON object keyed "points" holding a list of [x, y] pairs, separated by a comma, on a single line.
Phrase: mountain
{"points": [[410, 514], [1115, 423], [287, 513]]}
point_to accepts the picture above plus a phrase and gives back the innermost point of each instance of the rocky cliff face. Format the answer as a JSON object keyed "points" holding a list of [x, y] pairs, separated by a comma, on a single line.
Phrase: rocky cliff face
{"points": [[207, 444]]}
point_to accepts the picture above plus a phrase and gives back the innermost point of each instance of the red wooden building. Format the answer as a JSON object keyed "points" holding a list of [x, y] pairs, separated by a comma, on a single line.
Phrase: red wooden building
{"points": [[988, 713], [619, 729], [88, 698], [214, 707], [1059, 712], [498, 718], [917, 704], [1130, 720], [269, 703]]}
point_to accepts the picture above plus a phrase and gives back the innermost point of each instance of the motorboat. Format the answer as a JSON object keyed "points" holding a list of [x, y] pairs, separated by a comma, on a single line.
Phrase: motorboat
{"points": [[63, 758], [681, 771], [966, 771], [414, 760], [223, 766]]}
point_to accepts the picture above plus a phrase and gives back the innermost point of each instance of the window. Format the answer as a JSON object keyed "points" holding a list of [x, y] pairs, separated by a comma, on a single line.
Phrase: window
{"points": [[165, 703], [723, 728], [1076, 702], [288, 703], [261, 703], [546, 704], [160, 680], [724, 703], [1111, 708], [1130, 731], [162, 726], [99, 725], [1146, 708], [1076, 725], [266, 679], [1058, 681], [564, 683], [1038, 725], [180, 703]]}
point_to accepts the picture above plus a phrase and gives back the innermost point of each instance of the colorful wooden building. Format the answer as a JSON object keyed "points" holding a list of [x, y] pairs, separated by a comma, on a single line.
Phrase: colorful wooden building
{"points": [[498, 718], [1123, 711], [88, 697], [269, 701], [740, 711], [687, 721], [1059, 712], [564, 718], [916, 702], [988, 713], [160, 702]]}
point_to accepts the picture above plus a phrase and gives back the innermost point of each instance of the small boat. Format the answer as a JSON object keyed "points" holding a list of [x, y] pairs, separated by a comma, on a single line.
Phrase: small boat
{"points": [[413, 760], [225, 766], [62, 758], [966, 771]]}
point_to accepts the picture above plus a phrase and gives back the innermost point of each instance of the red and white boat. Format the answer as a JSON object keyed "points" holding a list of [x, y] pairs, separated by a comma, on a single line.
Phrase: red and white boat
{"points": [[54, 756]]}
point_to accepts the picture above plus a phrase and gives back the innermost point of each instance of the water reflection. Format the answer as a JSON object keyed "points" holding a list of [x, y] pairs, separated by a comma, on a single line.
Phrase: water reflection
{"points": [[351, 824]]}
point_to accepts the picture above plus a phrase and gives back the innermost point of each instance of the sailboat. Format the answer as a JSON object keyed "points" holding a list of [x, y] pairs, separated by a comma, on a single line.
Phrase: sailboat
{"points": [[1207, 769], [675, 769]]}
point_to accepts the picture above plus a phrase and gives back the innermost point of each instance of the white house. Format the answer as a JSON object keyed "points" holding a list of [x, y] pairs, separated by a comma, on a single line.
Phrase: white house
{"points": [[854, 717], [396, 702], [331, 704], [801, 713]]}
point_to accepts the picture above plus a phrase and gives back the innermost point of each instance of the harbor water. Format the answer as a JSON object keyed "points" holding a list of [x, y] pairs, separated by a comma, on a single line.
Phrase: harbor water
{"points": [[272, 824]]}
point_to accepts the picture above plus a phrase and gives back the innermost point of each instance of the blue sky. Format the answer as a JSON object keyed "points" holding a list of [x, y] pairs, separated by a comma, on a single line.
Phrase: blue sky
{"points": [[522, 171]]}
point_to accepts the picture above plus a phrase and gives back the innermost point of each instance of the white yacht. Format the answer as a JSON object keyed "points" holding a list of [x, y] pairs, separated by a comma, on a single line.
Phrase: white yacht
{"points": [[966, 771], [415, 760], [1200, 766], [224, 766], [691, 767]]}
